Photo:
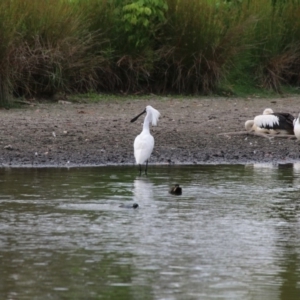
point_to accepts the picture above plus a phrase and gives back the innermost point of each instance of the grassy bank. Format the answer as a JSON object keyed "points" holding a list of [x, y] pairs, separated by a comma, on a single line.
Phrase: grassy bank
{"points": [[159, 46]]}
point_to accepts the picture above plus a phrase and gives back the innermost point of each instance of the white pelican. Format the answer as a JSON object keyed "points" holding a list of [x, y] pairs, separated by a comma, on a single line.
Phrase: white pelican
{"points": [[297, 127], [144, 143], [273, 123], [251, 126], [279, 122]]}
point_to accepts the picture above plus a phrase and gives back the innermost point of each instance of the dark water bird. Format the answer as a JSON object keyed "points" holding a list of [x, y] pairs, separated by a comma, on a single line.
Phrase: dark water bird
{"points": [[144, 143], [134, 205], [273, 123], [176, 190]]}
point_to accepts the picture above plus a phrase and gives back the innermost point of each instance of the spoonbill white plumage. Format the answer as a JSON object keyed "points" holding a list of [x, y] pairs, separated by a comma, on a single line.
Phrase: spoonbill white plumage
{"points": [[297, 127], [144, 143]]}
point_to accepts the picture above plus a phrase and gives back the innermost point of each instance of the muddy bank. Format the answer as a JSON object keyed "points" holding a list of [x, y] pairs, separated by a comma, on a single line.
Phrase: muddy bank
{"points": [[101, 134]]}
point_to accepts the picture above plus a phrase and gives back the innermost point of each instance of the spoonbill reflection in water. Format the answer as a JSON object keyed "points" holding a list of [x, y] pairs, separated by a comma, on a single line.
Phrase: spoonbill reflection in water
{"points": [[144, 143]]}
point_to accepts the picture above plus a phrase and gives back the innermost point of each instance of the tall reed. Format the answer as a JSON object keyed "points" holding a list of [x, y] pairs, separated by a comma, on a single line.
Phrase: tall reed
{"points": [[132, 46], [201, 41], [47, 47], [275, 57]]}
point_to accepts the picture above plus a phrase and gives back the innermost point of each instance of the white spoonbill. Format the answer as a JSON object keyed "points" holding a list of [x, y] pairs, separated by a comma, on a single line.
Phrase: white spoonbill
{"points": [[144, 143], [297, 127]]}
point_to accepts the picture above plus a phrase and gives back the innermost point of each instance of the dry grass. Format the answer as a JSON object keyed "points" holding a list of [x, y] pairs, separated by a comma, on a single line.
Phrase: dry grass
{"points": [[281, 69]]}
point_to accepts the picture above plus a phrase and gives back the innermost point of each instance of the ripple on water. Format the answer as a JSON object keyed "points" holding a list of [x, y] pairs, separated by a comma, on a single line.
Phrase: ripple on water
{"points": [[232, 234]]}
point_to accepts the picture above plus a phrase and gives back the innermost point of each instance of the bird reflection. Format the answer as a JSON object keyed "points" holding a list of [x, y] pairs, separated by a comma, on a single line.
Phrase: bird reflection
{"points": [[287, 172], [134, 205], [282, 180], [142, 190], [264, 167], [296, 168]]}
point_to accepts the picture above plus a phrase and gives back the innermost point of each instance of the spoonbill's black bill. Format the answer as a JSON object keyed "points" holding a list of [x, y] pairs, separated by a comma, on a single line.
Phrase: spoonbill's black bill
{"points": [[135, 118]]}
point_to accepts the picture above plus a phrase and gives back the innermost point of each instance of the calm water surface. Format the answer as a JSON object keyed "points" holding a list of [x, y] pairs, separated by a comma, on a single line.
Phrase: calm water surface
{"points": [[234, 233]]}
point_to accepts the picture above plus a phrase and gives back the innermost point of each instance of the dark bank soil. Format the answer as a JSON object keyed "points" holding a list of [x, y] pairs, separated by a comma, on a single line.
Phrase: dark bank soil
{"points": [[101, 134]]}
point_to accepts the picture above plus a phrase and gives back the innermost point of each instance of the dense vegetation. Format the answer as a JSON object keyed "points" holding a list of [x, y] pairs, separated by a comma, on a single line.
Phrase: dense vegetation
{"points": [[142, 46]]}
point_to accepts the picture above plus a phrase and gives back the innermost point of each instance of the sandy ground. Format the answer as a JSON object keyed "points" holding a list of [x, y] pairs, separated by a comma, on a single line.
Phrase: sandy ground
{"points": [[101, 134]]}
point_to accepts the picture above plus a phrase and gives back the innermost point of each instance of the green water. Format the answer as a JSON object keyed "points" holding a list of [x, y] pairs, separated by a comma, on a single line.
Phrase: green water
{"points": [[234, 233]]}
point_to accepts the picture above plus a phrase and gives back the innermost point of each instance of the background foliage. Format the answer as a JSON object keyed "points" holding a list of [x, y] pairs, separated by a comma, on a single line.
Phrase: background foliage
{"points": [[143, 46]]}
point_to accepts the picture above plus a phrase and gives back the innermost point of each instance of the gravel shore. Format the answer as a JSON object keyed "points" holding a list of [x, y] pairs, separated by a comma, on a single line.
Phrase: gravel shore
{"points": [[188, 132]]}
